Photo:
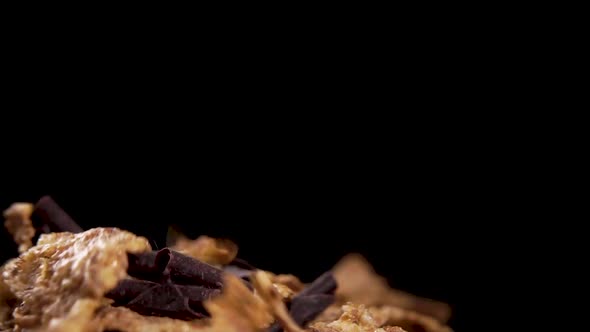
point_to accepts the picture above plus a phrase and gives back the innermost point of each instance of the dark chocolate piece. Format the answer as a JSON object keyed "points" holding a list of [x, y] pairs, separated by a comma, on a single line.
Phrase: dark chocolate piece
{"points": [[128, 289], [137, 294], [197, 294], [304, 309], [164, 300], [186, 270], [324, 284], [311, 301], [144, 266], [166, 264], [52, 215]]}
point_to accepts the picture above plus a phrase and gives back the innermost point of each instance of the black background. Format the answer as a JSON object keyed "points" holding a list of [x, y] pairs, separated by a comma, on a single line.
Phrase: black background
{"points": [[419, 224]]}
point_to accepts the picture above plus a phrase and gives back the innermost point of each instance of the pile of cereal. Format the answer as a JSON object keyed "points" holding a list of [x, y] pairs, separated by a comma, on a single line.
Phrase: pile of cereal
{"points": [[108, 279]]}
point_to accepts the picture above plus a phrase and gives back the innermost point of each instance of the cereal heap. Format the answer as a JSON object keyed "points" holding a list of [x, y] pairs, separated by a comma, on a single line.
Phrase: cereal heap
{"points": [[108, 279]]}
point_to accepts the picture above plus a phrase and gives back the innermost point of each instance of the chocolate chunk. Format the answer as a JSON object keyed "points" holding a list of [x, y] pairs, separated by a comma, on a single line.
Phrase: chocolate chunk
{"points": [[305, 308], [324, 284], [186, 270], [48, 212]]}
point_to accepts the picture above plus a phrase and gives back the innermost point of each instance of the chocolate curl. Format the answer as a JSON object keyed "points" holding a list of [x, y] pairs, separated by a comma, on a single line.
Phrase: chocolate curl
{"points": [[164, 300], [197, 294], [186, 270], [170, 265], [144, 266], [53, 218], [128, 289]]}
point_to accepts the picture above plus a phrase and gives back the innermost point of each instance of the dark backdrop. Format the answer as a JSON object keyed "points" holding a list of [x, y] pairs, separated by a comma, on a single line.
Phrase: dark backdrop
{"points": [[416, 226]]}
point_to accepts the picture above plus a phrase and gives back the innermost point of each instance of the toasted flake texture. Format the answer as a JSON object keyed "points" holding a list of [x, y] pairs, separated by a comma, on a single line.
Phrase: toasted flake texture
{"points": [[358, 283], [353, 319], [77, 319], [207, 249], [60, 278], [19, 225]]}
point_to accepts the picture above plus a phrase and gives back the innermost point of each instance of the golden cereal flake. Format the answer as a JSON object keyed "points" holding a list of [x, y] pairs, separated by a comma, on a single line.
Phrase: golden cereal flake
{"points": [[19, 225], [77, 319], [287, 284], [60, 276], [353, 319], [237, 309], [288, 280], [358, 283]]}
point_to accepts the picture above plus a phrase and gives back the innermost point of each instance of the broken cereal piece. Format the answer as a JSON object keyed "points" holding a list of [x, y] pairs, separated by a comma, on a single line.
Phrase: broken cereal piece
{"points": [[63, 268], [358, 283], [19, 225]]}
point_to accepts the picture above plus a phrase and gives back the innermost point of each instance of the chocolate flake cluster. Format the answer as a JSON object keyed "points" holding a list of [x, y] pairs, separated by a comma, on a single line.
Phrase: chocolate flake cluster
{"points": [[108, 279]]}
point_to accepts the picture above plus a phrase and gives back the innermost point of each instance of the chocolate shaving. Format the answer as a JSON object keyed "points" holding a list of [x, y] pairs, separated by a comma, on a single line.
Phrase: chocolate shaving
{"points": [[128, 289], [167, 264], [53, 218], [186, 270], [164, 300]]}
